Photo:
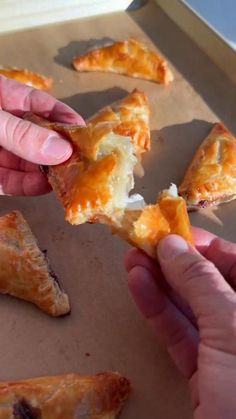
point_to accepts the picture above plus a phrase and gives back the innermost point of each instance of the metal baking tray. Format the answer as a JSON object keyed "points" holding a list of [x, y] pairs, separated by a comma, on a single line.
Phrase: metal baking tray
{"points": [[104, 321]]}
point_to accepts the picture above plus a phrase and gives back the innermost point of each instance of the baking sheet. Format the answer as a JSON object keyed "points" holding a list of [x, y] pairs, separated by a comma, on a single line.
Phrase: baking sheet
{"points": [[105, 331]]}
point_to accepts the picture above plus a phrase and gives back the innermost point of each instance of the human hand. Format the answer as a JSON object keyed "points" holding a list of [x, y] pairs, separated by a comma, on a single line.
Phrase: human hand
{"points": [[23, 145], [189, 299]]}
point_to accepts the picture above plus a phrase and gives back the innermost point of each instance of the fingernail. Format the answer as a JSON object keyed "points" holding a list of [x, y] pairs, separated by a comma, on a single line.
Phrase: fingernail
{"points": [[56, 148], [172, 246]]}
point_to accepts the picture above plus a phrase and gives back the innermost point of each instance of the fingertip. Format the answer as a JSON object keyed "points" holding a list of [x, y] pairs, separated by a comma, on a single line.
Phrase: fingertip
{"points": [[171, 246], [202, 237], [132, 258], [144, 290], [77, 120], [65, 114], [135, 274], [55, 150], [71, 118]]}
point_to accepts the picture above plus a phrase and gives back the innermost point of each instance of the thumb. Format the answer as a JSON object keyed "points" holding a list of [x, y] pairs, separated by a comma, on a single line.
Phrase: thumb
{"points": [[200, 284], [31, 142]]}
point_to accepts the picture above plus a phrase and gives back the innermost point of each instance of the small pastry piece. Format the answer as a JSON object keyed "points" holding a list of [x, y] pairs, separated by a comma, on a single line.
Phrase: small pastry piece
{"points": [[27, 77], [65, 397], [130, 57], [143, 226], [131, 118], [24, 269], [211, 176]]}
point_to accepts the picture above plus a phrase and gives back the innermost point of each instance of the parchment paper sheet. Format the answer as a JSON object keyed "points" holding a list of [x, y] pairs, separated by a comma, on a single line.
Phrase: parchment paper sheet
{"points": [[105, 331]]}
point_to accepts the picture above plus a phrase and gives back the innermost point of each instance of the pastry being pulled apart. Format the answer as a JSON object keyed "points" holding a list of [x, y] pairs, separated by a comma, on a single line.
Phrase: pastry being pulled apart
{"points": [[24, 269], [94, 185], [36, 80], [67, 396], [130, 57], [211, 176], [130, 117], [143, 226]]}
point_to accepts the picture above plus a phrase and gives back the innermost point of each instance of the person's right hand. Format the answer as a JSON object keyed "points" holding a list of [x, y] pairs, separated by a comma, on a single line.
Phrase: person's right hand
{"points": [[23, 145], [189, 298]]}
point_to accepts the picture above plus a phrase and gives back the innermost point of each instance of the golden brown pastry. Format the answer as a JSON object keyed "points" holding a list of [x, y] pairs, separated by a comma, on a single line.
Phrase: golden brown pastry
{"points": [[130, 57], [143, 226], [27, 77], [131, 119], [65, 397], [24, 269], [211, 176], [94, 185]]}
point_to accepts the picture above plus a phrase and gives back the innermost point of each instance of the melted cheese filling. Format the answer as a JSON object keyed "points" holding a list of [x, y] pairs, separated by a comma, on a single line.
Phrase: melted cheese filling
{"points": [[123, 180]]}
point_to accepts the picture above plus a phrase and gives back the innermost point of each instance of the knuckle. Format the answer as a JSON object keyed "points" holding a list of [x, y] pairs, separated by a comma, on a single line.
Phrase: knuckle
{"points": [[199, 269], [20, 132], [13, 132], [29, 97]]}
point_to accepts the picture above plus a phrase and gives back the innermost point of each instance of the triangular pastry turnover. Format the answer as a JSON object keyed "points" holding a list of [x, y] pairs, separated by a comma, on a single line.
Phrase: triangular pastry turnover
{"points": [[211, 176], [65, 397], [130, 57], [24, 269], [36, 80]]}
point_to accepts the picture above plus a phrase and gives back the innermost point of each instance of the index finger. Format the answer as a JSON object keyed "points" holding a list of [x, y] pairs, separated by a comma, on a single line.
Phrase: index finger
{"points": [[219, 251], [18, 98]]}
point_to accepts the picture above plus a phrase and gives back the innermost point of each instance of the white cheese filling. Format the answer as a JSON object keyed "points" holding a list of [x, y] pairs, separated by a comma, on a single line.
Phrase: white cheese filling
{"points": [[135, 202]]}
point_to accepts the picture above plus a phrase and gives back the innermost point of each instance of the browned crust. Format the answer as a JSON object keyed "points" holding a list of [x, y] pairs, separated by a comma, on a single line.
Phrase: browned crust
{"points": [[27, 77], [66, 396], [130, 57], [24, 269], [130, 117], [145, 228], [82, 183], [211, 176]]}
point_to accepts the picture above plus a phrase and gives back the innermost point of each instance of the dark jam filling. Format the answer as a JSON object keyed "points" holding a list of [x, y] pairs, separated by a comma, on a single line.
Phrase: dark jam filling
{"points": [[23, 410], [50, 270], [203, 204], [53, 275]]}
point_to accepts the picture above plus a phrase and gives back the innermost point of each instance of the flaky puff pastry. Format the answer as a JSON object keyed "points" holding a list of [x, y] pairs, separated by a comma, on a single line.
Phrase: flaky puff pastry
{"points": [[145, 225], [65, 397], [24, 269], [130, 116], [130, 57], [27, 77], [94, 183], [211, 176]]}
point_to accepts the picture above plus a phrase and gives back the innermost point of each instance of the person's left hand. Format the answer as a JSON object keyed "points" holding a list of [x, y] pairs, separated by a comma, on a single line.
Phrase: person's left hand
{"points": [[23, 145]]}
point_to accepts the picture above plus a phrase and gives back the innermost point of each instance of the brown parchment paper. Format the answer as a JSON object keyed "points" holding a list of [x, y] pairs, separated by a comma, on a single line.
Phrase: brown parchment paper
{"points": [[105, 331]]}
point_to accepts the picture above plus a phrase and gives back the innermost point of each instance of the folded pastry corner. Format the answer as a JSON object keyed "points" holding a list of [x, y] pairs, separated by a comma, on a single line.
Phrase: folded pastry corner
{"points": [[130, 117], [24, 269], [67, 396], [36, 80], [130, 57], [211, 177], [143, 226]]}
